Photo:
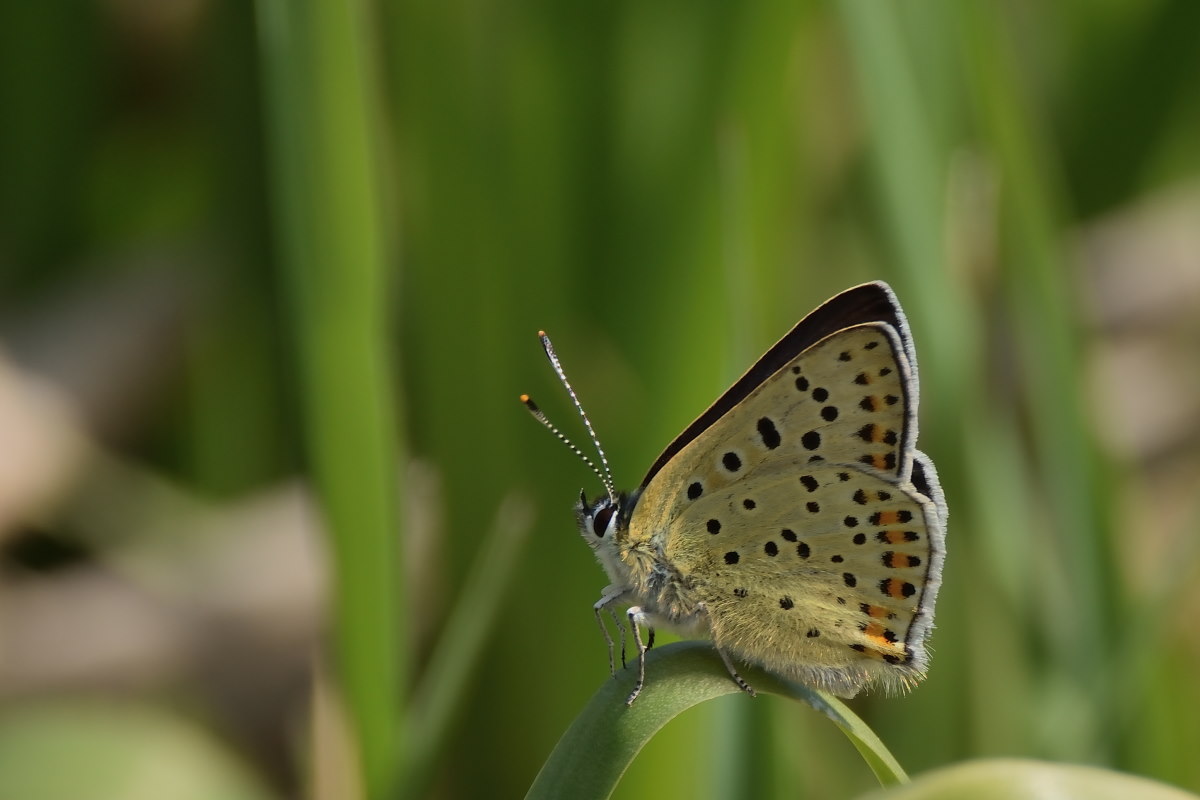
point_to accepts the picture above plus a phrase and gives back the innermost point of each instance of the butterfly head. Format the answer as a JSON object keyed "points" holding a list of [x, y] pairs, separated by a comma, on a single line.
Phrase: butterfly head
{"points": [[600, 519], [604, 525]]}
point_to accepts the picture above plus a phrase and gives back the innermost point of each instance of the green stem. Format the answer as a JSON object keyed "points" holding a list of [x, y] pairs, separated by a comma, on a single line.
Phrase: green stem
{"points": [[602, 742], [320, 93]]}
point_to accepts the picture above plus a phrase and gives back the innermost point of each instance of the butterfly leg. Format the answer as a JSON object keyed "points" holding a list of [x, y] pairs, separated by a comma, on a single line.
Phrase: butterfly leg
{"points": [[733, 673], [612, 670], [610, 596], [621, 630], [638, 617]]}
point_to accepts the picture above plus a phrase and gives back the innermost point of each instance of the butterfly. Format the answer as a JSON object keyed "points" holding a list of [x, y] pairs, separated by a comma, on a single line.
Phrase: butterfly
{"points": [[794, 523]]}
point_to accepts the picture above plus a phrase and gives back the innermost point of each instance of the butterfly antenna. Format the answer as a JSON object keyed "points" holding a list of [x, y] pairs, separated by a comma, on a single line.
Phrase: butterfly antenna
{"points": [[605, 476], [541, 417]]}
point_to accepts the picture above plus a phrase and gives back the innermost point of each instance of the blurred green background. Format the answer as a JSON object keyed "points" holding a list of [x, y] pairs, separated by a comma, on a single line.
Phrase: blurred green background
{"points": [[270, 276]]}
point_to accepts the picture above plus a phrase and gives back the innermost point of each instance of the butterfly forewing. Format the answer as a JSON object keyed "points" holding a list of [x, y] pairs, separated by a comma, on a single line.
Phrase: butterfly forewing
{"points": [[841, 401], [792, 518], [869, 302]]}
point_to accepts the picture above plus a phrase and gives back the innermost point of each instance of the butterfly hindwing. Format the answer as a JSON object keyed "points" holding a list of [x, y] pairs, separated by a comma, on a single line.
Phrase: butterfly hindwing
{"points": [[829, 590]]}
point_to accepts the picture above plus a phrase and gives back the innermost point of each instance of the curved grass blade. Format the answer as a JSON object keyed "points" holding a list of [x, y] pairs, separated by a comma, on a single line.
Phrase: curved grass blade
{"points": [[595, 751]]}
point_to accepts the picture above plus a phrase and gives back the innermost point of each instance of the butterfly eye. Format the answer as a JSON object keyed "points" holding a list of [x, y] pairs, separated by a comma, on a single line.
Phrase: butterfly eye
{"points": [[600, 522]]}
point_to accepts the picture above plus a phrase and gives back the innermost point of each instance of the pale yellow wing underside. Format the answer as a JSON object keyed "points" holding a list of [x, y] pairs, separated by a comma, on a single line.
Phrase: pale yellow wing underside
{"points": [[795, 521]]}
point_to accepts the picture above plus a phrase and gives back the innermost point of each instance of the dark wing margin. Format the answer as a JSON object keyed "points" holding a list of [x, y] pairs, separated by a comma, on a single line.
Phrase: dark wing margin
{"points": [[870, 302]]}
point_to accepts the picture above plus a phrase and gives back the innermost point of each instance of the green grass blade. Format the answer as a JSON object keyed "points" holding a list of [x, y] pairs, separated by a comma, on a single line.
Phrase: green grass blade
{"points": [[322, 135], [598, 747], [441, 689]]}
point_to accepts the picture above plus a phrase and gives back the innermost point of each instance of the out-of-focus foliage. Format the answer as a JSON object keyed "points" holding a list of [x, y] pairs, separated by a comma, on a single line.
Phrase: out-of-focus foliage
{"points": [[257, 262]]}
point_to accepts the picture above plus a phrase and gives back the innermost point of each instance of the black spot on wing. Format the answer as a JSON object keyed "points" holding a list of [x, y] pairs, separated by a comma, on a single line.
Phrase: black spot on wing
{"points": [[769, 433]]}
